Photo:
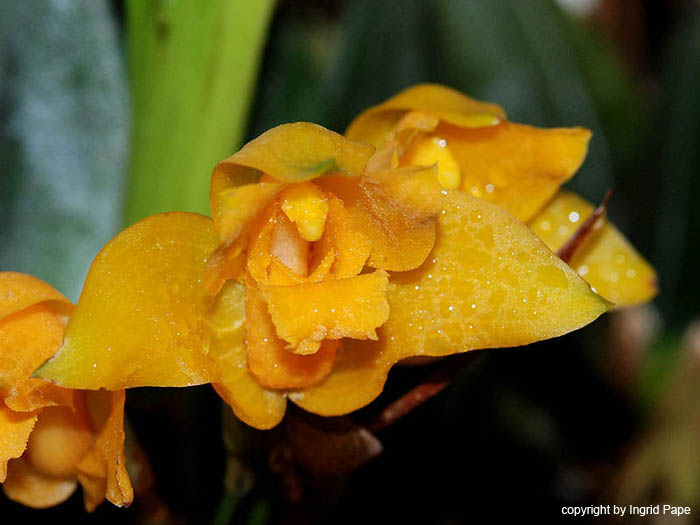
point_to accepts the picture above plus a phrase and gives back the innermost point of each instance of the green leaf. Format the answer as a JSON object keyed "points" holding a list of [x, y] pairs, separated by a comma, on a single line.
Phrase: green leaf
{"points": [[192, 68], [327, 72], [676, 159], [383, 48]]}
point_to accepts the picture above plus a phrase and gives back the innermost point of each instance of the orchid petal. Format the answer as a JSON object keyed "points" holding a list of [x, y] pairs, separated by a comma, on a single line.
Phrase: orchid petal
{"points": [[607, 260], [139, 319], [489, 283]]}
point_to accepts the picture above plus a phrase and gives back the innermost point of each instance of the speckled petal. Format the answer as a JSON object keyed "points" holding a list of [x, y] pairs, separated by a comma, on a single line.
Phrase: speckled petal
{"points": [[489, 282], [373, 124], [138, 320], [353, 307], [606, 260], [515, 166]]}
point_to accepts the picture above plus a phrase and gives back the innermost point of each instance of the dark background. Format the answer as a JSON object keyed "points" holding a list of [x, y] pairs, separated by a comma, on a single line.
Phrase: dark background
{"points": [[520, 432]]}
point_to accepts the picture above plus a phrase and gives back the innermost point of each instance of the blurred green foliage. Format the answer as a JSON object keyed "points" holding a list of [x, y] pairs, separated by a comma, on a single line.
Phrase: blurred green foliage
{"points": [[63, 137], [676, 164]]}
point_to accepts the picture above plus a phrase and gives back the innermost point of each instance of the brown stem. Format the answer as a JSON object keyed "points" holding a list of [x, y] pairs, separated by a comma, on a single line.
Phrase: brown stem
{"points": [[419, 394], [584, 231]]}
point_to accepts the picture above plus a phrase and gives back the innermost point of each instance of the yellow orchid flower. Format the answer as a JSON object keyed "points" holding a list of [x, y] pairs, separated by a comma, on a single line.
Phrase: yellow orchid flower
{"points": [[52, 438], [520, 168], [312, 280]]}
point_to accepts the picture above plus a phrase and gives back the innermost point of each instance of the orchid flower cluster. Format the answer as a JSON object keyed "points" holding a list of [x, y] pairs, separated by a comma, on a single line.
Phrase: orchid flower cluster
{"points": [[431, 228]]}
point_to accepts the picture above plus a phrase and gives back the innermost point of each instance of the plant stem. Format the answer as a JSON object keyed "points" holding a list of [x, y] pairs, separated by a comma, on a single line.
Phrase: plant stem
{"points": [[192, 70], [419, 394], [591, 224], [226, 509]]}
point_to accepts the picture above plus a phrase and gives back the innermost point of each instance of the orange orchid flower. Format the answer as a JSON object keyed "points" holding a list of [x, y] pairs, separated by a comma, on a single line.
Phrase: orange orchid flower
{"points": [[315, 276], [52, 438], [520, 168]]}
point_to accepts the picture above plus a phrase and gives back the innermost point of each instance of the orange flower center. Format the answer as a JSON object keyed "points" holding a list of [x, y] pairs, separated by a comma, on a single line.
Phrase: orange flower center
{"points": [[287, 245]]}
